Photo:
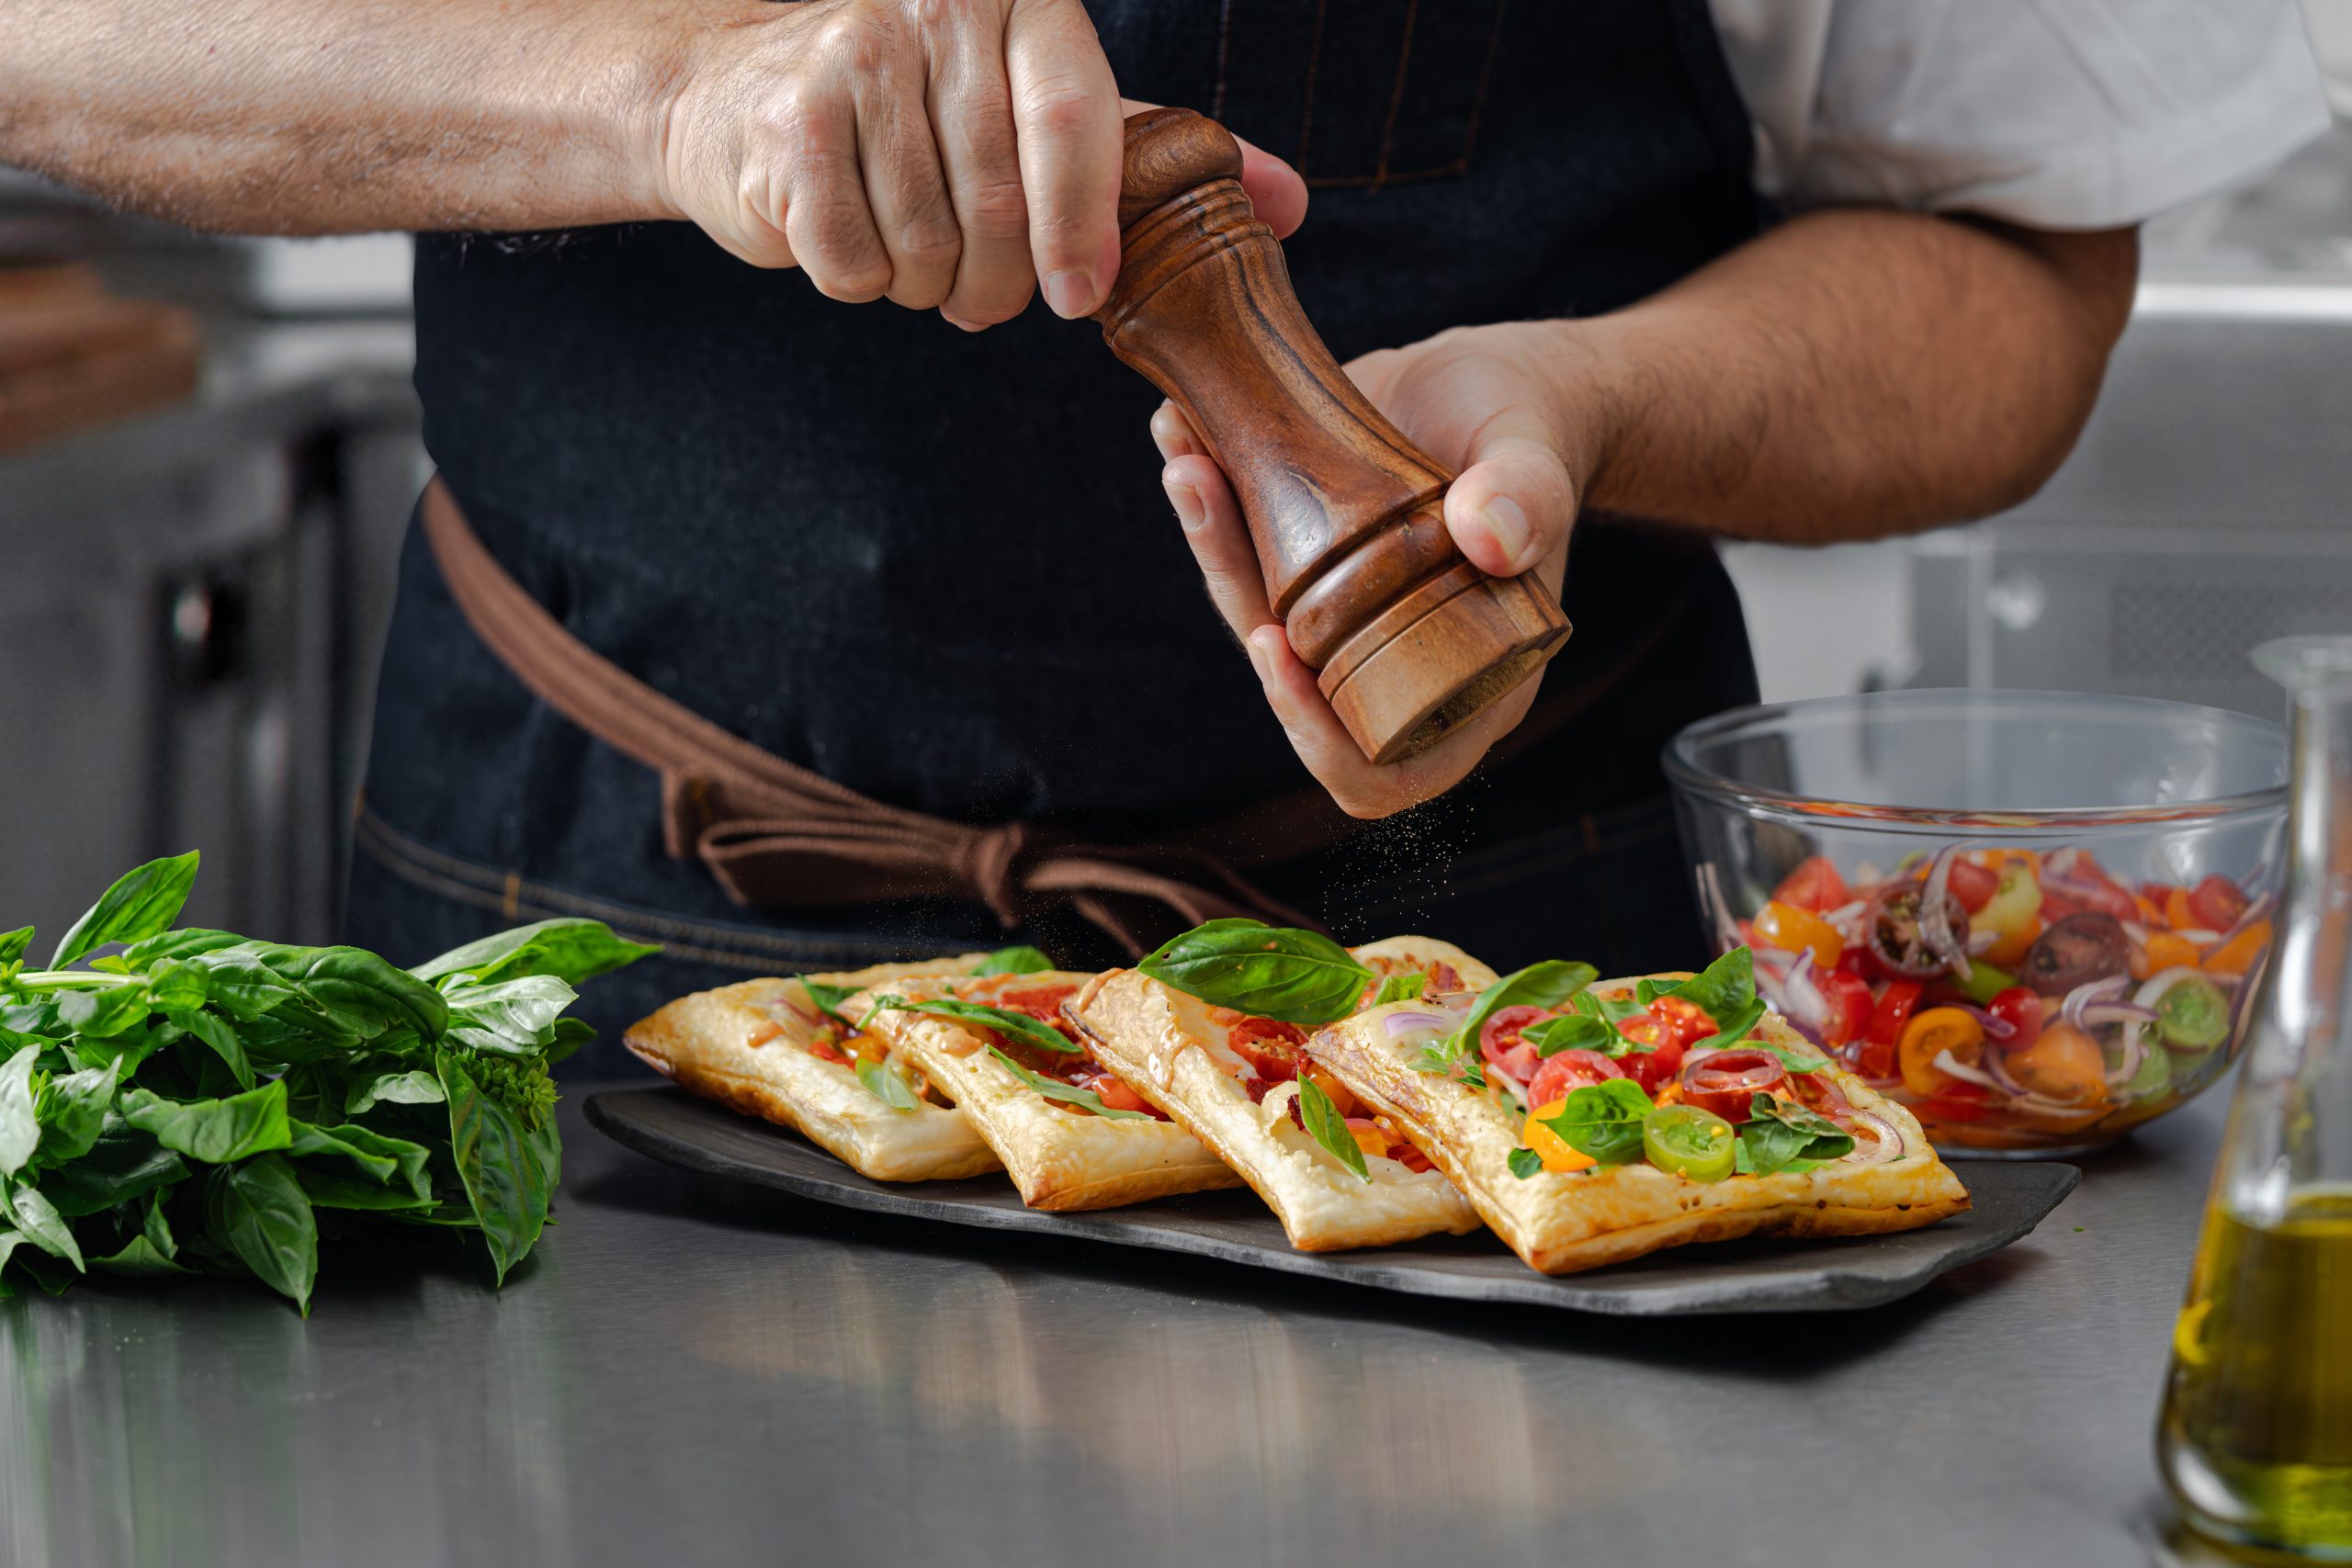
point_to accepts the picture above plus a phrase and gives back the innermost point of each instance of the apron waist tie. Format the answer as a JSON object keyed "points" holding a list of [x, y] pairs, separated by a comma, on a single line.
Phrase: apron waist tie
{"points": [[775, 834]]}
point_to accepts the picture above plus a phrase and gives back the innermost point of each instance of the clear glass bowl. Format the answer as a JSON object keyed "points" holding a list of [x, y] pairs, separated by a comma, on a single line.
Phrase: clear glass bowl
{"points": [[2110, 862]]}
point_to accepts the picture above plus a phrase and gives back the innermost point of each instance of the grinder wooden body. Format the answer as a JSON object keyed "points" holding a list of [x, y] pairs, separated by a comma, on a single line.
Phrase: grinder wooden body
{"points": [[1347, 516]]}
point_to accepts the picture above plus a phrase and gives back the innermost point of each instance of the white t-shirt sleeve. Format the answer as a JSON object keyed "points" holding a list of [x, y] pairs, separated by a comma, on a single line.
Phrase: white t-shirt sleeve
{"points": [[2062, 114]]}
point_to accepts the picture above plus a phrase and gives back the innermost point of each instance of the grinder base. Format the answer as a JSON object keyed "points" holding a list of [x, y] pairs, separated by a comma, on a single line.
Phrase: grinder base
{"points": [[1422, 668]]}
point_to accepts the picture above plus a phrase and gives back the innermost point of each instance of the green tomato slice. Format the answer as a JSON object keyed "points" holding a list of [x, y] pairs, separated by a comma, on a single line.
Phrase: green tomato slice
{"points": [[2194, 1015], [1689, 1142]]}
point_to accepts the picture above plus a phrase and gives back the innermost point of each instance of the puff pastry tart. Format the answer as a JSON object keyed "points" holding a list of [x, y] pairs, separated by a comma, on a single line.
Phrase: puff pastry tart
{"points": [[1069, 1131], [1233, 1081], [780, 1050], [1593, 1122]]}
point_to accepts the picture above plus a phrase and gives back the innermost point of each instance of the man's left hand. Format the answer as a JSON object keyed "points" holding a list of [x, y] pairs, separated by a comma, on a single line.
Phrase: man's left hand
{"points": [[1493, 404]]}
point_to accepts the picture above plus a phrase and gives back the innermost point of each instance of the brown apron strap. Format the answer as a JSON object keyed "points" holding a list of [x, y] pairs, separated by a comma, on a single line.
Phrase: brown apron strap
{"points": [[772, 833]]}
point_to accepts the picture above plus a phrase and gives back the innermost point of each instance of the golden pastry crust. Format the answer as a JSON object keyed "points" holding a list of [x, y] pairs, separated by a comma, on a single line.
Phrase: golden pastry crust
{"points": [[745, 1045], [1169, 1049], [1060, 1159], [1563, 1222]]}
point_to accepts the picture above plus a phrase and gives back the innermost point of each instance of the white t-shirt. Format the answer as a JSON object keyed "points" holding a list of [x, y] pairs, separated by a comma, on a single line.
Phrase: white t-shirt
{"points": [[2059, 114]]}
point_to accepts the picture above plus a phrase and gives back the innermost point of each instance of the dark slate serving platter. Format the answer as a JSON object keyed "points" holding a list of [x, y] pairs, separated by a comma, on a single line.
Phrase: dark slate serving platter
{"points": [[1725, 1277]]}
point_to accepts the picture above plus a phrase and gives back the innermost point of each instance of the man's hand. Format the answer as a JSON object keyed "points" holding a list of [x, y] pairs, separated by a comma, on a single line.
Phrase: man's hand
{"points": [[954, 156], [1493, 404]]}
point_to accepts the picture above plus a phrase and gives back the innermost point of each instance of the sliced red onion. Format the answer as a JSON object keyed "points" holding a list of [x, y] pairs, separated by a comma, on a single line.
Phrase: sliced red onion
{"points": [[1888, 1145], [1999, 1074], [1947, 1063], [2117, 1013], [1802, 1003], [1710, 893], [2164, 980], [2079, 999], [2133, 1044], [1399, 1023], [2136, 931], [1981, 942], [1935, 923], [1994, 1025]]}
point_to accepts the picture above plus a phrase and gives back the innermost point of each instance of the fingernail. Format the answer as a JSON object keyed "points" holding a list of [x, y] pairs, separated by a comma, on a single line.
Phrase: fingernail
{"points": [[1256, 656], [1507, 524], [1187, 503], [1071, 294], [966, 326]]}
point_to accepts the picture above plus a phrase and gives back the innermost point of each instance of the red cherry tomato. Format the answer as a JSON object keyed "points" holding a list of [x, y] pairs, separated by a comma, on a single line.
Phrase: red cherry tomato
{"points": [[1680, 1024], [2020, 1007], [1973, 886], [1499, 1041], [2089, 887], [1116, 1094], [1725, 1082], [1850, 1008], [1815, 886], [2217, 904], [1572, 1069], [1895, 1006], [1269, 1046]]}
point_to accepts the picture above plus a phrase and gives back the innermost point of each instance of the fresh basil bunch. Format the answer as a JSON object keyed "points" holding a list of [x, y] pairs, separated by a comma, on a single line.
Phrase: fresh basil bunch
{"points": [[200, 1102]]}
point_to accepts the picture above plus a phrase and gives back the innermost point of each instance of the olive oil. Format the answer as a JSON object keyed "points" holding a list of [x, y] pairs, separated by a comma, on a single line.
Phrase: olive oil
{"points": [[2256, 1440]]}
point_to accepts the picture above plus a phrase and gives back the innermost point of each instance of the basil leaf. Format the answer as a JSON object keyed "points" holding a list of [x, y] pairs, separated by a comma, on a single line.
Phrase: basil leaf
{"points": [[1404, 987], [1068, 1094], [1328, 1128], [1020, 1026], [122, 1164], [217, 1131], [215, 1032], [886, 1084], [508, 1017], [185, 943], [102, 1014], [140, 902], [1278, 972], [20, 1125], [13, 944], [1725, 991], [570, 950], [828, 998], [508, 1165], [1775, 1136], [385, 1161], [258, 1210], [415, 1087], [1603, 1120], [1014, 961], [139, 1258], [26, 1208], [72, 1110], [326, 1190], [1795, 1061], [1525, 1163], [1547, 984], [1574, 1031]]}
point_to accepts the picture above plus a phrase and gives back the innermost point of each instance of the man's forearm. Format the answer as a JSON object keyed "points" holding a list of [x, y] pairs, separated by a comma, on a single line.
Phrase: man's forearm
{"points": [[1852, 374], [321, 116]]}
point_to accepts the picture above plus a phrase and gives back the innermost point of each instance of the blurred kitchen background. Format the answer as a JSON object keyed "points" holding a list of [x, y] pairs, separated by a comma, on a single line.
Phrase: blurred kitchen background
{"points": [[202, 500]]}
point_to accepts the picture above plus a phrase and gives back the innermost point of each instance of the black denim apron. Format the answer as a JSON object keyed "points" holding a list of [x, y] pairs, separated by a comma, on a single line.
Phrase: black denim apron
{"points": [[938, 567]]}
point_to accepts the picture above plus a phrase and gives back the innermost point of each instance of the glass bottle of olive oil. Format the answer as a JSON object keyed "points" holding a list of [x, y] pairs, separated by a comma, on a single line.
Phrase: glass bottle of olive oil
{"points": [[2256, 1438]]}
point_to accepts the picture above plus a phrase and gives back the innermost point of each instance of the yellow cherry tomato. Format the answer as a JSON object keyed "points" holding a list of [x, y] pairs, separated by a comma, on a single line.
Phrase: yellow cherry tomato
{"points": [[1793, 929], [2063, 1064], [2164, 950], [1340, 1098], [2237, 955], [1928, 1036], [1555, 1155]]}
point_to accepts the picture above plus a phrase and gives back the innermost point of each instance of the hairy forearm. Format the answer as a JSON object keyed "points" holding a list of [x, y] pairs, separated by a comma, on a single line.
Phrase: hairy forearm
{"points": [[1852, 374], [326, 116]]}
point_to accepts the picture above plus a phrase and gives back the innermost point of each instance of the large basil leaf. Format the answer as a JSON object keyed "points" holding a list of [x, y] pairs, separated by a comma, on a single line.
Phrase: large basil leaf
{"points": [[1603, 1120], [30, 1211], [1328, 1128], [371, 1156], [140, 904], [19, 1123], [1725, 991], [216, 1131], [1574, 1031], [569, 950], [72, 1110], [508, 1017], [139, 1258], [100, 1013], [1278, 972], [185, 943], [1020, 1026], [1014, 961], [886, 1084], [415, 1087], [1068, 1094], [1546, 984], [217, 1035], [1776, 1136], [122, 1164], [258, 1210], [509, 1166]]}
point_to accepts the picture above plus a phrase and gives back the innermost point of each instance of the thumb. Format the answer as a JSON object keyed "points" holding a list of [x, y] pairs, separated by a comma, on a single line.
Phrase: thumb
{"points": [[1514, 505]]}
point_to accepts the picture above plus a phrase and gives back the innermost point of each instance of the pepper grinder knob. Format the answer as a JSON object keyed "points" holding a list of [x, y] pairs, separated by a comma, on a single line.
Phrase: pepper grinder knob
{"points": [[1347, 516]]}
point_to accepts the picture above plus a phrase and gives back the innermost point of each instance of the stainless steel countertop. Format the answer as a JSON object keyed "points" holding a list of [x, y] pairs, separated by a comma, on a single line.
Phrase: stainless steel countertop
{"points": [[693, 1372]]}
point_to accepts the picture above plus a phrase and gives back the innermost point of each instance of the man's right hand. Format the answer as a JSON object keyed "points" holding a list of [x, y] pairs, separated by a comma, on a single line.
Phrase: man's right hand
{"points": [[947, 154]]}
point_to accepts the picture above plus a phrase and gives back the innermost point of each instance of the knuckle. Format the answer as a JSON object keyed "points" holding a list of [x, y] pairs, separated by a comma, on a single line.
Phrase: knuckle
{"points": [[994, 209], [1062, 107], [861, 42]]}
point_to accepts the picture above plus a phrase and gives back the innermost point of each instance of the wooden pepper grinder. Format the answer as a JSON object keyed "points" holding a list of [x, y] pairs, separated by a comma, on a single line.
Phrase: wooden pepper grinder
{"points": [[1347, 516]]}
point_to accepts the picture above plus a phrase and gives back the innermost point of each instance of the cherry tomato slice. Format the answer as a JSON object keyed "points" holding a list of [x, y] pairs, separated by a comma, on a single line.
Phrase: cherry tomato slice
{"points": [[1973, 886], [1725, 1082], [1929, 1035], [1269, 1046], [1815, 885], [1499, 1041], [2020, 1007], [1793, 929], [2217, 904], [1850, 1008], [1680, 1024], [1573, 1069]]}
